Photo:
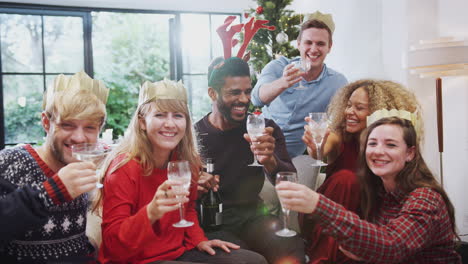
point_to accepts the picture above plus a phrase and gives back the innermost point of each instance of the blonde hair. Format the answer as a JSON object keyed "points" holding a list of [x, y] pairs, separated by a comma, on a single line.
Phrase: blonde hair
{"points": [[76, 104], [382, 94], [136, 145]]}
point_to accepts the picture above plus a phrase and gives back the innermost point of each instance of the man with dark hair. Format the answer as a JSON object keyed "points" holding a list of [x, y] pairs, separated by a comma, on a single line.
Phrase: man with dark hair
{"points": [[288, 94], [222, 136]]}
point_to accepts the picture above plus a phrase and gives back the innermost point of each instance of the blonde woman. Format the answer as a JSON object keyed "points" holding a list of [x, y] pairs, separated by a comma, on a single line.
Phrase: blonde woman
{"points": [[348, 111], [139, 206]]}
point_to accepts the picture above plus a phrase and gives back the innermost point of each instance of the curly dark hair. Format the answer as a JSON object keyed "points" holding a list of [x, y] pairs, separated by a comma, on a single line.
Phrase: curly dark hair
{"points": [[382, 94]]}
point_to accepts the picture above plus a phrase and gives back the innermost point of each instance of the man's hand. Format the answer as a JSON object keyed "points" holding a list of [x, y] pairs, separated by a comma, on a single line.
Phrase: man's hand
{"points": [[206, 182], [269, 91], [207, 246], [78, 177], [291, 75], [264, 147]]}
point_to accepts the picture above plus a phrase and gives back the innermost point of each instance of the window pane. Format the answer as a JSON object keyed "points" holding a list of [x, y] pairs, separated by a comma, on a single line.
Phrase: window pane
{"points": [[195, 43], [22, 107], [201, 102], [64, 45], [21, 39], [128, 50], [217, 21]]}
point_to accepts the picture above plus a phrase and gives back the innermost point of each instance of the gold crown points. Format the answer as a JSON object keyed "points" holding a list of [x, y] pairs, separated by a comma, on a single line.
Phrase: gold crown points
{"points": [[379, 114], [165, 89], [79, 81], [325, 18]]}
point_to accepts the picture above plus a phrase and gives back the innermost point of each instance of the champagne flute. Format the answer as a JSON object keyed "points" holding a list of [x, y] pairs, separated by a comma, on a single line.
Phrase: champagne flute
{"points": [[179, 171], [93, 152], [291, 177], [318, 124], [304, 66], [255, 127]]}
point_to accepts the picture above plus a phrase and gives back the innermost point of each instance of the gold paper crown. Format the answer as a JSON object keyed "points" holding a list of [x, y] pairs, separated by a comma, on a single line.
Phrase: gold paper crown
{"points": [[379, 114], [325, 18], [165, 89], [79, 81]]}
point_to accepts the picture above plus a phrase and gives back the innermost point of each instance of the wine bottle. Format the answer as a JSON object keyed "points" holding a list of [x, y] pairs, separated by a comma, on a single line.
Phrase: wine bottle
{"points": [[211, 206]]}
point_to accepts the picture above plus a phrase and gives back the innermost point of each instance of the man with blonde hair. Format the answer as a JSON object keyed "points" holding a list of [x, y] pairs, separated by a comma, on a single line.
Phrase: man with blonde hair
{"points": [[43, 199]]}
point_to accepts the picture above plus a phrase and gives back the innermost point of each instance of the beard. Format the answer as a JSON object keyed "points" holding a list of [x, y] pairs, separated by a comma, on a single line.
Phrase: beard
{"points": [[57, 150], [225, 110]]}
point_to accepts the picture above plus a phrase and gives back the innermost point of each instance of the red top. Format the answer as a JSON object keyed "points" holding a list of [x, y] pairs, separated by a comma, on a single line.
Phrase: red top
{"points": [[347, 158], [128, 236], [412, 228], [342, 187]]}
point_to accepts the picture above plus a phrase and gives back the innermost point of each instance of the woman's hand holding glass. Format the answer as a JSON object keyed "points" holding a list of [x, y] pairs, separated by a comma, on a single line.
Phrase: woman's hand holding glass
{"points": [[180, 175], [297, 197], [318, 124], [285, 176], [164, 201], [308, 139]]}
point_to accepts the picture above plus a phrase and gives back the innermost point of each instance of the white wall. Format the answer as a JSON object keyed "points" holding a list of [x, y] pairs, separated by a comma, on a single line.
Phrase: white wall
{"points": [[372, 39], [453, 21], [237, 6], [357, 41]]}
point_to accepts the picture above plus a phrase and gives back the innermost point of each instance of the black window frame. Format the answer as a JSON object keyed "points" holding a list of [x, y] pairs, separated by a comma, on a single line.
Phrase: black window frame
{"points": [[176, 53]]}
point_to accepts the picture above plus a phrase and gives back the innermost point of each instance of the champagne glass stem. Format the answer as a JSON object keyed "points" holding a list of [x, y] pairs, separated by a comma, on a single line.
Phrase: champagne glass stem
{"points": [[285, 220], [181, 211], [319, 151]]}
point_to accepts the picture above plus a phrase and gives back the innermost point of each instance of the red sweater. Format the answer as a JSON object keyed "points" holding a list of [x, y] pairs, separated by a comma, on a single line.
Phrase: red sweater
{"points": [[128, 236]]}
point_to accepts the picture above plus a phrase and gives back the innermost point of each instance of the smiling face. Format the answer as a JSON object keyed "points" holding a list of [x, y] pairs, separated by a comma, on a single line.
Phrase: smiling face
{"points": [[234, 99], [62, 134], [387, 152], [356, 111], [164, 129], [314, 46]]}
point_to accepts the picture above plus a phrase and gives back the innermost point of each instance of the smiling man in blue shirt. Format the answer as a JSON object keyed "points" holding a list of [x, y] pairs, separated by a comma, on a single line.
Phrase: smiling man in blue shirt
{"points": [[277, 87]]}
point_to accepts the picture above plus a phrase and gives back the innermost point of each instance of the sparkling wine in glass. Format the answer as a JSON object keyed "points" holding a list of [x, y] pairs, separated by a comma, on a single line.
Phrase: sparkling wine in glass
{"points": [[318, 124], [179, 172], [93, 152], [304, 66], [291, 177], [255, 128]]}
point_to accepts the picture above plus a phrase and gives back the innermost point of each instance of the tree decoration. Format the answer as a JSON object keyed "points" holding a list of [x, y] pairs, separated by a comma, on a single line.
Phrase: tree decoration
{"points": [[265, 44], [259, 10], [282, 37]]}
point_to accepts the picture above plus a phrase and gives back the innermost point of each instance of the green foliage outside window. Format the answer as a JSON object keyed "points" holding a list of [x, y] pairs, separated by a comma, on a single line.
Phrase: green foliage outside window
{"points": [[128, 49]]}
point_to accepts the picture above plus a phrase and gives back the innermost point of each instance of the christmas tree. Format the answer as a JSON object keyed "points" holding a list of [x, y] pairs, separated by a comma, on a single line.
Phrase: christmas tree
{"points": [[266, 44]]}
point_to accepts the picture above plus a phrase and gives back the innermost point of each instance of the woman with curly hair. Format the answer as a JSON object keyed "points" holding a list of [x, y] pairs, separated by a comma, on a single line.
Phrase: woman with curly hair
{"points": [[348, 112], [407, 216]]}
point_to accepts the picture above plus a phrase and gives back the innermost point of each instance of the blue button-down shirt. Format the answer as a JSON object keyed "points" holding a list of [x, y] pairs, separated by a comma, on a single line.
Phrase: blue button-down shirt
{"points": [[290, 107]]}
